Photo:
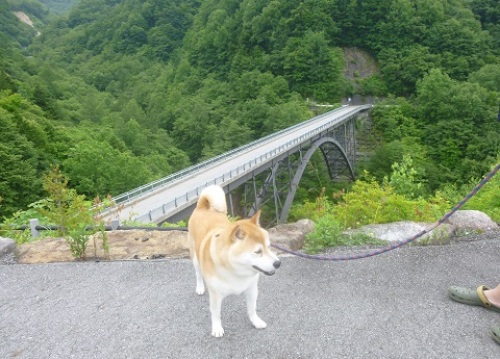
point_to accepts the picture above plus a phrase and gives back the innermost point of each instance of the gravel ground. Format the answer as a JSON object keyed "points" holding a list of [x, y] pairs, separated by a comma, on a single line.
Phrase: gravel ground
{"points": [[389, 306]]}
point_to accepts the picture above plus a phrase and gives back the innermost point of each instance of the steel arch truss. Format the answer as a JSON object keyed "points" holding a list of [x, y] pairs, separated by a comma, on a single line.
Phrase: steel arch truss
{"points": [[275, 188]]}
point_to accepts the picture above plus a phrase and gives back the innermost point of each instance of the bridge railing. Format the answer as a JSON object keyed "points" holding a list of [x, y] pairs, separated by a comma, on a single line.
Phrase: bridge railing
{"points": [[190, 196], [162, 182]]}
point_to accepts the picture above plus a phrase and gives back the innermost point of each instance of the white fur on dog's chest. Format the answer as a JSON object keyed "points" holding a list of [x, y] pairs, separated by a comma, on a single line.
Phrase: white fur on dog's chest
{"points": [[227, 284]]}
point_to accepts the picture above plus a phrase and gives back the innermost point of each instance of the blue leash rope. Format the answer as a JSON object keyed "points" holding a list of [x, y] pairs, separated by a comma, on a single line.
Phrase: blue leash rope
{"points": [[396, 245]]}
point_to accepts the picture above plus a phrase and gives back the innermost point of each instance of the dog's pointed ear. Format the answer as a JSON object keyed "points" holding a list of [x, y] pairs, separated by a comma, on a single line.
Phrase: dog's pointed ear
{"points": [[237, 233], [255, 218]]}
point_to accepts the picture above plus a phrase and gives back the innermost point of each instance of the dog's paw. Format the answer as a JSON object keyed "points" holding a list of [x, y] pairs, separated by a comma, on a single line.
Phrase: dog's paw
{"points": [[258, 323], [200, 289], [217, 331]]}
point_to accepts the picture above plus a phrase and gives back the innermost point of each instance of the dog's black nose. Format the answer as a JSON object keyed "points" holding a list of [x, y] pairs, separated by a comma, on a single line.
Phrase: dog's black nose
{"points": [[277, 264]]}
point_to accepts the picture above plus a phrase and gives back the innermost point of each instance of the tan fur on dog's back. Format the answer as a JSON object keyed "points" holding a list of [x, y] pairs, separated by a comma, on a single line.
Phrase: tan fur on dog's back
{"points": [[210, 213], [202, 224]]}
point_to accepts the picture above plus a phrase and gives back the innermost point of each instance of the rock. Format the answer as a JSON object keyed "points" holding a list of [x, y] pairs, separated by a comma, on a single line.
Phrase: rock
{"points": [[7, 245], [399, 231], [7, 248], [471, 220], [460, 223], [291, 235]]}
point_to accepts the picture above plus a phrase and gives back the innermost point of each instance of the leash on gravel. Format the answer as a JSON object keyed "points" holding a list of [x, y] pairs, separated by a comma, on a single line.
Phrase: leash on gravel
{"points": [[396, 245]]}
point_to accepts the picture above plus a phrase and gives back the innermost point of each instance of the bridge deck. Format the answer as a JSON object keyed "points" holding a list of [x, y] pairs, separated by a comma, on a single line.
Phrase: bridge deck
{"points": [[162, 199]]}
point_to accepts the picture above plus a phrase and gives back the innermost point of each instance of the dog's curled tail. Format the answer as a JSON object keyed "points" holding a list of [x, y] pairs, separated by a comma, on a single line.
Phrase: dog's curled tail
{"points": [[214, 198]]}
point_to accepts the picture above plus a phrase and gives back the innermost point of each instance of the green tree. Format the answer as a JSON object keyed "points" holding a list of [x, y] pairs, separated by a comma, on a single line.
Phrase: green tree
{"points": [[488, 77], [27, 144], [210, 44], [97, 169], [403, 27], [403, 68], [312, 67], [19, 183], [405, 180], [460, 41], [487, 10], [455, 117], [192, 129]]}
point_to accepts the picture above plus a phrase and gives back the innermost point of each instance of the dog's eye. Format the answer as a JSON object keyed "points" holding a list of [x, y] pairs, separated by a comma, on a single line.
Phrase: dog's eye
{"points": [[259, 251]]}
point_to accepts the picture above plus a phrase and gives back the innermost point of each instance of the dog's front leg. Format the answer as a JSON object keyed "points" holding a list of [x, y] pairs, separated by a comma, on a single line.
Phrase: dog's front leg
{"points": [[251, 299], [215, 311]]}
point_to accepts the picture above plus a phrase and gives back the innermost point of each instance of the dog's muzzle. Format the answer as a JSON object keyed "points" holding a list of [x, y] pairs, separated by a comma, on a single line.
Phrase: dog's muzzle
{"points": [[276, 265]]}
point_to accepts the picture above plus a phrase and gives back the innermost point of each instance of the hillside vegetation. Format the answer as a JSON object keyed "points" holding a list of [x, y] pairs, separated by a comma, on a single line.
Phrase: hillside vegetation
{"points": [[117, 93]]}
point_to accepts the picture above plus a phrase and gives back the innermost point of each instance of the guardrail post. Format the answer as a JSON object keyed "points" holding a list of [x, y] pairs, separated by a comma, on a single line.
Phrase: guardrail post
{"points": [[115, 223], [33, 225]]}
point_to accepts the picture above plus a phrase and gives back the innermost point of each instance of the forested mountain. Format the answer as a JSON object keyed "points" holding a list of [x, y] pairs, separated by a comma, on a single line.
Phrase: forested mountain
{"points": [[121, 92], [58, 6]]}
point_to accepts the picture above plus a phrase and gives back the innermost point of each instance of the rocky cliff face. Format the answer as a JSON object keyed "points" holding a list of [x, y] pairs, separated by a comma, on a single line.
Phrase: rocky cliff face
{"points": [[26, 19], [360, 65]]}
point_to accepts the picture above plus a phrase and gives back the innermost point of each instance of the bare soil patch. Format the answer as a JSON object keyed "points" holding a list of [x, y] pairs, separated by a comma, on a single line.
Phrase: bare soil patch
{"points": [[144, 244], [131, 244]]}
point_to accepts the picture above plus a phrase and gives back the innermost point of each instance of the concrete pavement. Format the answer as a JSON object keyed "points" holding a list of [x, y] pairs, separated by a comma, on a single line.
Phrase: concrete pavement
{"points": [[390, 306]]}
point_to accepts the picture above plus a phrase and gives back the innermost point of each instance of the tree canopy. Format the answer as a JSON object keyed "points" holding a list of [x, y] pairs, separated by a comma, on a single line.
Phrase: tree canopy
{"points": [[120, 92]]}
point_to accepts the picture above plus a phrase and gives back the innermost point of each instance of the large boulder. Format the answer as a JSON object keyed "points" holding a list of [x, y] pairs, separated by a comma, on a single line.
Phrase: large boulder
{"points": [[399, 231], [291, 235], [471, 221], [460, 223]]}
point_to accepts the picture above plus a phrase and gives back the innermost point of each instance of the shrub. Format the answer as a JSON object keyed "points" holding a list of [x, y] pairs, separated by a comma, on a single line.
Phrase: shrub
{"points": [[368, 202], [487, 200], [312, 210], [405, 180], [70, 212], [329, 233], [10, 225], [371, 203]]}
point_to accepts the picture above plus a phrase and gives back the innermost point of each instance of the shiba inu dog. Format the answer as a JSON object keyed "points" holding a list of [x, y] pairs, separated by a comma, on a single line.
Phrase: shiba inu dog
{"points": [[228, 257]]}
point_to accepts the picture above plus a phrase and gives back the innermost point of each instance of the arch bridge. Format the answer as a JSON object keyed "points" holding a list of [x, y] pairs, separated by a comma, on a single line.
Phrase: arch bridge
{"points": [[265, 172]]}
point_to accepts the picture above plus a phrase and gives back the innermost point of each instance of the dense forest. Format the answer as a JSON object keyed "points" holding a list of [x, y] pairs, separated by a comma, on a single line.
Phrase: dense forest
{"points": [[117, 93]]}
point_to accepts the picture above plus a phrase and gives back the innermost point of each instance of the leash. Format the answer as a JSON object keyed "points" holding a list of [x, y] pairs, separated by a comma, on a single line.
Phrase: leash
{"points": [[399, 244]]}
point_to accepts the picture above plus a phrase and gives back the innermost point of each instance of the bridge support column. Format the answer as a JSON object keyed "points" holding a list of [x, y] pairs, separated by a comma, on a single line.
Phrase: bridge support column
{"points": [[283, 178]]}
